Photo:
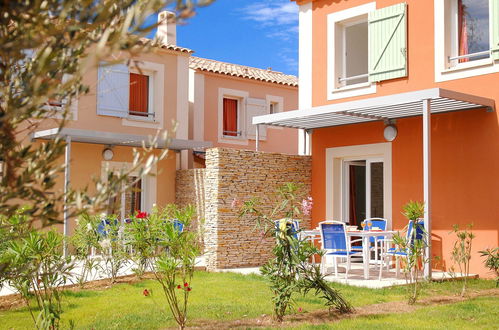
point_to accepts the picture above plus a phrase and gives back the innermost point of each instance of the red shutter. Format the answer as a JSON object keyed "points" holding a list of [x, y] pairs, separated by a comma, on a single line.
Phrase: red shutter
{"points": [[230, 117], [139, 94]]}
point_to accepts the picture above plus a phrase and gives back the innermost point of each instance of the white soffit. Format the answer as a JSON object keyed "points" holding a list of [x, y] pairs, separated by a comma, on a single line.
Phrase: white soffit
{"points": [[377, 108], [117, 139]]}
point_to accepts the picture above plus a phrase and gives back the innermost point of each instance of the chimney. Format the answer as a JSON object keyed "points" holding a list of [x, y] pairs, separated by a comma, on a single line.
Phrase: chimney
{"points": [[167, 28]]}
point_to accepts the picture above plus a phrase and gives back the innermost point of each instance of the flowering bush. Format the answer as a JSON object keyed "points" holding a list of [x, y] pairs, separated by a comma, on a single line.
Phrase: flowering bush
{"points": [[175, 264]]}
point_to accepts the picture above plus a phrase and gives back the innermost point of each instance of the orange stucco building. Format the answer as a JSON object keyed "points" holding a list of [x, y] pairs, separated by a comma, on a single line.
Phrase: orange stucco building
{"points": [[377, 52]]}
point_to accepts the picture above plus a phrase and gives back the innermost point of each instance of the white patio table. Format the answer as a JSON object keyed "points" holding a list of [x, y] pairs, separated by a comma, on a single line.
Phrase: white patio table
{"points": [[364, 234]]}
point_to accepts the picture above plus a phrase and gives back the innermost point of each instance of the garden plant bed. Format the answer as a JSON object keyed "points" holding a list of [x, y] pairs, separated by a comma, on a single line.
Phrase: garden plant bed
{"points": [[225, 300]]}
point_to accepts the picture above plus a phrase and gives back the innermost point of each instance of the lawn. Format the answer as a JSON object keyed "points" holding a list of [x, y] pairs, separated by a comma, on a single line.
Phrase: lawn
{"points": [[226, 297]]}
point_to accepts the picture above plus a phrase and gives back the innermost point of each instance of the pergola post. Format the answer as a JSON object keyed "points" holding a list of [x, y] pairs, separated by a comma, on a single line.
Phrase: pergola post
{"points": [[67, 173], [257, 141], [427, 181]]}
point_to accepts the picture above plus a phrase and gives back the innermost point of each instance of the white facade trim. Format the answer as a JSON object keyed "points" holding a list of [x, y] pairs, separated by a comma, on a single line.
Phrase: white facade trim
{"points": [[335, 158], [156, 97], [444, 45], [241, 96], [333, 37], [182, 119], [197, 98], [305, 65]]}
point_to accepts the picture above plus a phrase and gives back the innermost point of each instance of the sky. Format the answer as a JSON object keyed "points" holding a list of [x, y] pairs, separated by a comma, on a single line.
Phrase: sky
{"points": [[261, 33]]}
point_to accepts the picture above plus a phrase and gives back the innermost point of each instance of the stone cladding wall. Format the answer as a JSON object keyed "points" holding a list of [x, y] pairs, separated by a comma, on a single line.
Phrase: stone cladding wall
{"points": [[231, 241], [190, 189]]}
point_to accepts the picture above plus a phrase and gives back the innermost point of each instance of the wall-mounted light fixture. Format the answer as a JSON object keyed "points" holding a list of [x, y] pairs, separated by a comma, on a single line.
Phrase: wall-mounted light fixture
{"points": [[390, 131], [107, 153]]}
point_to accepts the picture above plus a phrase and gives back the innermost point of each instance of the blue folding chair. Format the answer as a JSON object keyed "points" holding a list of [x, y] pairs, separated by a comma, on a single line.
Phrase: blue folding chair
{"points": [[403, 253], [335, 242]]}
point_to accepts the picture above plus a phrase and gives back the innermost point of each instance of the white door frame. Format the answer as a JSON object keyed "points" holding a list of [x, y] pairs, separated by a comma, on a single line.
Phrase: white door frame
{"points": [[335, 170]]}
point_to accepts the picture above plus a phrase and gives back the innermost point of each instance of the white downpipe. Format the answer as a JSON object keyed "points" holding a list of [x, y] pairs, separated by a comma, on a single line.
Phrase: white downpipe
{"points": [[67, 173], [257, 141], [427, 180]]}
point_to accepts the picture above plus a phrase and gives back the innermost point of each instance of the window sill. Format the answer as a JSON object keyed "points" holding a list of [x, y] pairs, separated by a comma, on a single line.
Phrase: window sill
{"points": [[352, 90], [140, 118], [233, 140], [470, 65]]}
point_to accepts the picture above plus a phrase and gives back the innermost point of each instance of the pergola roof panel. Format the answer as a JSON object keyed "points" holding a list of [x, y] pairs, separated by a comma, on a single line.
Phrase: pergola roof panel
{"points": [[378, 108]]}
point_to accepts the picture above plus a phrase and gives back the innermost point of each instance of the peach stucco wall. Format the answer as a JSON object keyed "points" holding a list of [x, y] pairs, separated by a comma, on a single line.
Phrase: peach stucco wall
{"points": [[278, 139], [465, 144], [86, 159]]}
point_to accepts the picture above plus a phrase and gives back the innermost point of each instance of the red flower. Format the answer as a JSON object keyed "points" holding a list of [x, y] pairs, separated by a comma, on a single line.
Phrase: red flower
{"points": [[179, 286], [186, 284], [189, 288], [145, 292], [141, 215], [300, 309]]}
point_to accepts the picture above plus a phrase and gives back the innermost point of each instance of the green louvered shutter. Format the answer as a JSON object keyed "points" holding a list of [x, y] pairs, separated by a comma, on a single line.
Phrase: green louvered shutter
{"points": [[388, 43], [495, 28]]}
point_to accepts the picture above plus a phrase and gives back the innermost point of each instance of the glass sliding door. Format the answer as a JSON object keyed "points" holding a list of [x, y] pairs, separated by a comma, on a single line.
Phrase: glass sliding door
{"points": [[363, 190]]}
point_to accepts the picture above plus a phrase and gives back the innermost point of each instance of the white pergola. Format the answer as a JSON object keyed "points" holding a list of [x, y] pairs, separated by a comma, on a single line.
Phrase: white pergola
{"points": [[108, 139], [384, 108]]}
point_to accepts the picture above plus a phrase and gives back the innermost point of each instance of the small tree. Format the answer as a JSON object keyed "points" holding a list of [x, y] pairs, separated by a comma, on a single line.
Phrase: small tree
{"points": [[414, 247], [175, 265], [461, 252], [289, 271]]}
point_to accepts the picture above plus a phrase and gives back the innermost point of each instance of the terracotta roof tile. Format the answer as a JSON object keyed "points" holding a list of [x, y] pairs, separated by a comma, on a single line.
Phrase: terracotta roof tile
{"points": [[242, 71], [168, 46]]}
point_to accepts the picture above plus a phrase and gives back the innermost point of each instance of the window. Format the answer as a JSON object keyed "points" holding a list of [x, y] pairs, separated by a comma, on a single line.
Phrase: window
{"points": [[139, 95], [128, 92], [470, 31], [353, 59], [230, 117], [273, 107], [466, 38], [365, 45]]}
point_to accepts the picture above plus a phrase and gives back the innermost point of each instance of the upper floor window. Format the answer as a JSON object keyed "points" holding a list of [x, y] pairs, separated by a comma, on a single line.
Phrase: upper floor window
{"points": [[466, 38], [231, 117], [125, 92], [139, 94], [353, 59], [470, 32], [365, 45]]}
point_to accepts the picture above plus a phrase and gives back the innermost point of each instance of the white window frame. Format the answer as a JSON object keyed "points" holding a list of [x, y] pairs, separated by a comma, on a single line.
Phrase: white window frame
{"points": [[336, 207], [241, 97], [277, 100], [156, 72], [346, 184], [149, 184], [446, 45], [335, 47]]}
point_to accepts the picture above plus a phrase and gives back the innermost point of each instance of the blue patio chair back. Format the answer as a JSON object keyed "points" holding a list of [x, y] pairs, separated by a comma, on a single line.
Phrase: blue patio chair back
{"points": [[102, 227], [376, 222], [419, 231], [333, 236], [179, 226]]}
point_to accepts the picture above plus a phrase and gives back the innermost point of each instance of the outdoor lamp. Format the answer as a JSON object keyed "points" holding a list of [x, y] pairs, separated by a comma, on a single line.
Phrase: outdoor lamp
{"points": [[107, 154], [390, 132]]}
